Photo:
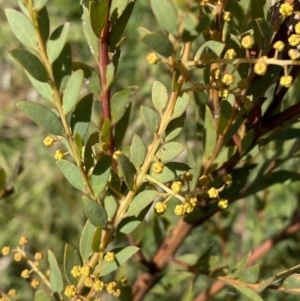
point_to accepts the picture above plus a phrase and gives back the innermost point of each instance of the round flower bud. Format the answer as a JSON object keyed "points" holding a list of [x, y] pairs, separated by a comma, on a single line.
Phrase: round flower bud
{"points": [[23, 240], [59, 155], [286, 9], [49, 141], [230, 54], [160, 207], [157, 167], [260, 68], [294, 40], [86, 270], [243, 84], [203, 180], [228, 79], [25, 274], [279, 45], [297, 28], [223, 204], [213, 193], [227, 16], [286, 81], [176, 186], [5, 250], [88, 282], [110, 256], [76, 271], [227, 179], [247, 42], [35, 283], [179, 210], [224, 93], [99, 285], [294, 54], [152, 58], [70, 291], [18, 257]]}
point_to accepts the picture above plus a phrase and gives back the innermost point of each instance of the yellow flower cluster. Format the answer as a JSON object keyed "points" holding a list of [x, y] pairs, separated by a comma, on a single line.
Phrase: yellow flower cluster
{"points": [[286, 9], [99, 285], [176, 186], [5, 250], [59, 155], [260, 68], [247, 42], [227, 16], [70, 291], [160, 207], [279, 45], [49, 141], [230, 54], [228, 79], [152, 58], [157, 167], [294, 40], [286, 81], [110, 257]]}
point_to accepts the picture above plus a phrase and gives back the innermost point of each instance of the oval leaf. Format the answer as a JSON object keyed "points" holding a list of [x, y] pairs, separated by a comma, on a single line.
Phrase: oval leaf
{"points": [[100, 174], [150, 118], [181, 105], [95, 212], [57, 41], [159, 96], [174, 127], [41, 296], [72, 91], [137, 151], [85, 243], [128, 170], [142, 200], [71, 173], [159, 43], [81, 116], [56, 281], [43, 116], [71, 259], [292, 282], [111, 206], [165, 14], [31, 64], [121, 255], [21, 27], [169, 151], [248, 292], [97, 239], [98, 14], [39, 4]]}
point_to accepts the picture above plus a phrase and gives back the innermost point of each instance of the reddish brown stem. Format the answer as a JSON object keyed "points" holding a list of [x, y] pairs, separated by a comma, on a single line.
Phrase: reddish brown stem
{"points": [[103, 63]]}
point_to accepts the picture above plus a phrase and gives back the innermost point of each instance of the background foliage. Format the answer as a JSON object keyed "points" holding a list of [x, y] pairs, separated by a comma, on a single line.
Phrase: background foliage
{"points": [[47, 210]]}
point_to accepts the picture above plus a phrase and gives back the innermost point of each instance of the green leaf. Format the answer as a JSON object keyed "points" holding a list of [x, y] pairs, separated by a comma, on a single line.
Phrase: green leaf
{"points": [[241, 264], [111, 206], [81, 116], [128, 170], [39, 4], [57, 41], [117, 8], [56, 281], [264, 284], [72, 91], [165, 14], [150, 118], [142, 200], [43, 88], [249, 293], [210, 133], [62, 67], [85, 243], [121, 255], [97, 239], [250, 274], [71, 259], [181, 105], [175, 127], [170, 150], [137, 151], [105, 131], [225, 114], [71, 173], [292, 282], [31, 64], [43, 116], [263, 31], [21, 27], [88, 152], [100, 174], [44, 23], [171, 171], [41, 296], [110, 73], [120, 102], [88, 33], [95, 212], [247, 139], [159, 96], [159, 43], [214, 48], [118, 27], [98, 15]]}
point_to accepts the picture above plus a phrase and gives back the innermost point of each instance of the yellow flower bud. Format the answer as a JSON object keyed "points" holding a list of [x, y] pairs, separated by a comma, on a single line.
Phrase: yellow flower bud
{"points": [[223, 204], [160, 207], [157, 167], [227, 16], [203, 180], [152, 58], [213, 193], [110, 256], [88, 282], [176, 186], [23, 240], [49, 141], [297, 28], [5, 250], [179, 210], [294, 54], [279, 45], [70, 291], [247, 42], [99, 285], [294, 40], [35, 283], [86, 270], [286, 81], [228, 79], [25, 274], [286, 9], [18, 257], [230, 54], [227, 179], [59, 155], [12, 292], [76, 271], [260, 68]]}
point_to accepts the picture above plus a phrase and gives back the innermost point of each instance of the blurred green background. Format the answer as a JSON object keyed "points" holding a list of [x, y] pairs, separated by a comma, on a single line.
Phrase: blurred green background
{"points": [[48, 211]]}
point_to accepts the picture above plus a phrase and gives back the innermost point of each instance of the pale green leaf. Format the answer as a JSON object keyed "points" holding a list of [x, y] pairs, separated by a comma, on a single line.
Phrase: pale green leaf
{"points": [[142, 200], [57, 41], [43, 88], [39, 4], [121, 255], [248, 292], [137, 151], [95, 212], [175, 127], [111, 206], [165, 14], [21, 27], [292, 282], [43, 116], [181, 105], [71, 259], [72, 91], [159, 43], [85, 243], [170, 150], [159, 96], [56, 280], [150, 118], [100, 174], [97, 239], [88, 152], [71, 173], [128, 170], [41, 296]]}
